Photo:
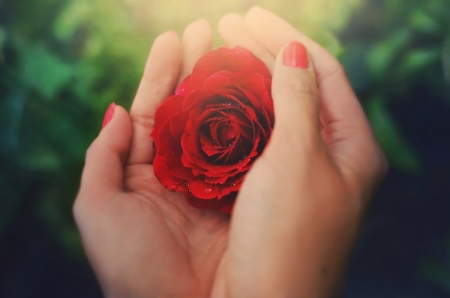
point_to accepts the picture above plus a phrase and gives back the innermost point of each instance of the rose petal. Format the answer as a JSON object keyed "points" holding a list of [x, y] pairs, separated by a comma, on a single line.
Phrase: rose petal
{"points": [[210, 204], [224, 59], [185, 86], [256, 87], [204, 190], [167, 109], [171, 153], [163, 174], [178, 124]]}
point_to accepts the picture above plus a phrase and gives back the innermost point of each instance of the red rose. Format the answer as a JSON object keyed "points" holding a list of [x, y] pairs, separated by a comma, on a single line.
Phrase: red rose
{"points": [[210, 132]]}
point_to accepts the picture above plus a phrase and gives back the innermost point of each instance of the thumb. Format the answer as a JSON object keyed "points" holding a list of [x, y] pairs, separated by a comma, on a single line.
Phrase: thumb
{"points": [[296, 102], [103, 171]]}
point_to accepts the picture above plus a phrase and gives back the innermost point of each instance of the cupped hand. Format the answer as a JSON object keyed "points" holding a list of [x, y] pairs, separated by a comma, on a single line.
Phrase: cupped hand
{"points": [[141, 239], [299, 208], [303, 201]]}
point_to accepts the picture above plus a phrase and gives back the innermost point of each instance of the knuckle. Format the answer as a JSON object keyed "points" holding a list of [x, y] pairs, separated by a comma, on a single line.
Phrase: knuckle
{"points": [[262, 53], [143, 120], [301, 84], [162, 81], [335, 69]]}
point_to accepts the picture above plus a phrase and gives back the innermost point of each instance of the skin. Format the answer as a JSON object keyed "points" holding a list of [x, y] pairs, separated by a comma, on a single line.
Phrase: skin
{"points": [[299, 209]]}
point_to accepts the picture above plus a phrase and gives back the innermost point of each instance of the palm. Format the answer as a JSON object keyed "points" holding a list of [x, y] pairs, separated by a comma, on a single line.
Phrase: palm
{"points": [[145, 232], [189, 242]]}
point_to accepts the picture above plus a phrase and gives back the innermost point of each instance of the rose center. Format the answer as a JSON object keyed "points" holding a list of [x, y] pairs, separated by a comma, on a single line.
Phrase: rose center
{"points": [[227, 136]]}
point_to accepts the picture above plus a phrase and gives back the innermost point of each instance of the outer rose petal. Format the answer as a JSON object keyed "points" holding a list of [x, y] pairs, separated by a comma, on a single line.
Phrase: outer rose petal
{"points": [[172, 154], [168, 108], [163, 174], [204, 190], [185, 86], [233, 60], [225, 204]]}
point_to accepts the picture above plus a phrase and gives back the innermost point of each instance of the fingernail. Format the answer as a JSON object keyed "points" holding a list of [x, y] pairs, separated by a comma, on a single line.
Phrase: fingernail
{"points": [[295, 55], [109, 114]]}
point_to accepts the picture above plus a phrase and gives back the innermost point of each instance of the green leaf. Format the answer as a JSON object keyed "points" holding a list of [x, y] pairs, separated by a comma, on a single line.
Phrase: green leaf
{"points": [[381, 57], [2, 42], [421, 21], [417, 59], [399, 152], [42, 70], [41, 157], [70, 19], [84, 76], [2, 37], [11, 115]]}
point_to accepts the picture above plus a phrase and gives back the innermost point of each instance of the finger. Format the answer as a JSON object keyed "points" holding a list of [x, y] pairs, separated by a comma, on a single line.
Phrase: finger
{"points": [[103, 171], [234, 32], [296, 102], [347, 131], [273, 32], [197, 40], [158, 82]]}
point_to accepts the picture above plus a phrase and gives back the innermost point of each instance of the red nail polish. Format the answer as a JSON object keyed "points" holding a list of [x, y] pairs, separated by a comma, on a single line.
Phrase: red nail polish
{"points": [[295, 55], [109, 114]]}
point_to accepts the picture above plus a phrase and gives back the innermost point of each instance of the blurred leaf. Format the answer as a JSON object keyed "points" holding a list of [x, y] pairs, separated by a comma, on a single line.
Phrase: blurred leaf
{"points": [[43, 71], [70, 19], [422, 21], [353, 61], [11, 116], [93, 47], [414, 60], [325, 39], [399, 152], [381, 57], [84, 76], [2, 36], [394, 5], [2, 42], [41, 157]]}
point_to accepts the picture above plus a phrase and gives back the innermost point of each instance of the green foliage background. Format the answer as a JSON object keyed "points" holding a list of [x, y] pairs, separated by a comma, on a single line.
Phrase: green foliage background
{"points": [[63, 61]]}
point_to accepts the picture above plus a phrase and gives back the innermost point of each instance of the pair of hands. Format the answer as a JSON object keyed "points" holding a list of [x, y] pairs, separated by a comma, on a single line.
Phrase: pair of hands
{"points": [[297, 213]]}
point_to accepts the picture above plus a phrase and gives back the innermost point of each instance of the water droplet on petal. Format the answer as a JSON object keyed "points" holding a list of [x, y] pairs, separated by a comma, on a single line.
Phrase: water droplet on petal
{"points": [[207, 190]]}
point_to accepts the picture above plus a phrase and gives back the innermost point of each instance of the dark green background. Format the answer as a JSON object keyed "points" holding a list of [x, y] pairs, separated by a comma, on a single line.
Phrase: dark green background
{"points": [[63, 61]]}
